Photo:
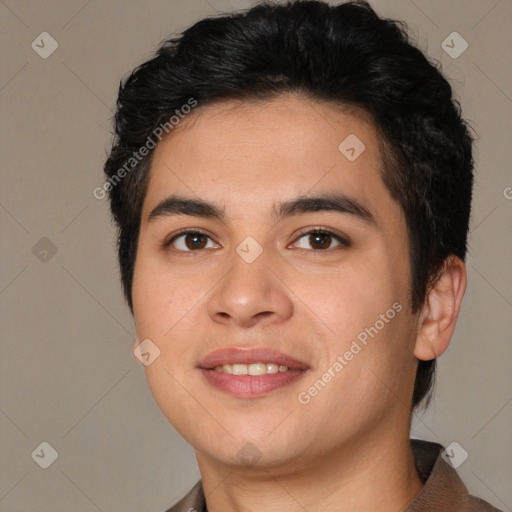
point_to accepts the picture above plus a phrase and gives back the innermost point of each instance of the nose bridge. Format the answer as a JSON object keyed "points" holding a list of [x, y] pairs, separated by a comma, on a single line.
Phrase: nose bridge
{"points": [[249, 292]]}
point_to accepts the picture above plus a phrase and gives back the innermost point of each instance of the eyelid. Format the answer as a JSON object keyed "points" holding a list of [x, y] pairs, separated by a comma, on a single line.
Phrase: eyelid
{"points": [[342, 239], [185, 231]]}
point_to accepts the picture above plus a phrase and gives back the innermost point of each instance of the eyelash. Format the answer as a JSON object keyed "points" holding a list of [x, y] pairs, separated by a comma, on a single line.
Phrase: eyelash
{"points": [[307, 231], [324, 231]]}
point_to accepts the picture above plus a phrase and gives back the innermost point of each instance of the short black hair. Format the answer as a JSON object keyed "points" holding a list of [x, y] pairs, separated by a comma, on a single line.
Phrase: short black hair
{"points": [[344, 54]]}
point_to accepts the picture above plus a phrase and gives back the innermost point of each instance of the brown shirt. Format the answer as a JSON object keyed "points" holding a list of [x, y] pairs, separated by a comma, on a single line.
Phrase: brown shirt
{"points": [[443, 490]]}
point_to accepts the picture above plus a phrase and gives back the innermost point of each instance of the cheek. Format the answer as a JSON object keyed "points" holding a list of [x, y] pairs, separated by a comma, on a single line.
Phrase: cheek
{"points": [[353, 298], [367, 312], [151, 307], [160, 297], [170, 309], [170, 392]]}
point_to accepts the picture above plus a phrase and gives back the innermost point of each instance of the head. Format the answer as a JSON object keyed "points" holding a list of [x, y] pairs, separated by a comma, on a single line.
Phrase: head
{"points": [[250, 110]]}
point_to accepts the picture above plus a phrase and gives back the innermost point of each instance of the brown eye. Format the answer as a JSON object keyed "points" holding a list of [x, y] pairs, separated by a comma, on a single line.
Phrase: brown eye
{"points": [[319, 240], [192, 241]]}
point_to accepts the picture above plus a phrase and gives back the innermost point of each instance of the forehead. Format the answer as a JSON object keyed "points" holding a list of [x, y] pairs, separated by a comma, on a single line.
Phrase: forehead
{"points": [[242, 153]]}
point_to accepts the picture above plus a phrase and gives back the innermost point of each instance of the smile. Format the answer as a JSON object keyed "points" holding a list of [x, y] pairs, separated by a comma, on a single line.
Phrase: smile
{"points": [[250, 372], [251, 369]]}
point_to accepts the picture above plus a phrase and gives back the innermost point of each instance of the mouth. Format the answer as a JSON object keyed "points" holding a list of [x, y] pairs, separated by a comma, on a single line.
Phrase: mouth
{"points": [[252, 369], [250, 373]]}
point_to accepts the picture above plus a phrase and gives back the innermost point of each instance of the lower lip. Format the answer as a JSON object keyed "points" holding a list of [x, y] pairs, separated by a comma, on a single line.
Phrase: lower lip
{"points": [[251, 386]]}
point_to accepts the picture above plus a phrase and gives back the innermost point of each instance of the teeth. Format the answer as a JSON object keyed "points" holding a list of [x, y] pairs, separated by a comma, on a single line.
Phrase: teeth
{"points": [[257, 369], [239, 369], [272, 368], [251, 369]]}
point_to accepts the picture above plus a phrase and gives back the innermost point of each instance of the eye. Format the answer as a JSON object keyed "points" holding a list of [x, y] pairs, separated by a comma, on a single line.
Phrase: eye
{"points": [[191, 241], [319, 239]]}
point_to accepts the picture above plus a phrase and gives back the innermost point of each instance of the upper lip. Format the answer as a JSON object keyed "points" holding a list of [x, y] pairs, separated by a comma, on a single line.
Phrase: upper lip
{"points": [[237, 355]]}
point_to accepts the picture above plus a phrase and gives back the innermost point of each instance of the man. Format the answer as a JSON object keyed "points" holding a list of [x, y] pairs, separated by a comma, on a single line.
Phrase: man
{"points": [[291, 244]]}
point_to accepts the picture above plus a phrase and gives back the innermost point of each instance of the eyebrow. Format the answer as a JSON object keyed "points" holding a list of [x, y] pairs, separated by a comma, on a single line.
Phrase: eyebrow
{"points": [[332, 202]]}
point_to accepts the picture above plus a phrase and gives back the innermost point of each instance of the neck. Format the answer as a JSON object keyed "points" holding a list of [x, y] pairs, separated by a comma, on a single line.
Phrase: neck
{"points": [[367, 475]]}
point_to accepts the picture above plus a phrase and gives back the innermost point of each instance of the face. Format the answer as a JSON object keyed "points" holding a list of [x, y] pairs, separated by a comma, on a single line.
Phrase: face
{"points": [[273, 275]]}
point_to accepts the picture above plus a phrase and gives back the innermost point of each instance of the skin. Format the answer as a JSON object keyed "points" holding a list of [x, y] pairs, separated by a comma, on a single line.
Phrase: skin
{"points": [[348, 448]]}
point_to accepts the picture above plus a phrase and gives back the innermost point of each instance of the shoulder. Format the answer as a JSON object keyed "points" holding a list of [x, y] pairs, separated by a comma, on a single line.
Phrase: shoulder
{"points": [[478, 505], [443, 489]]}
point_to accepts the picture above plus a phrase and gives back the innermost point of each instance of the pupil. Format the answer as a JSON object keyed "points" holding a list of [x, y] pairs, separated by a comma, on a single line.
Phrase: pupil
{"points": [[196, 241], [318, 237]]}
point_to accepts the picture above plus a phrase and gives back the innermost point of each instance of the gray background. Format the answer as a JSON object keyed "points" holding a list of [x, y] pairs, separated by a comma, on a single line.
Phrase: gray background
{"points": [[68, 376]]}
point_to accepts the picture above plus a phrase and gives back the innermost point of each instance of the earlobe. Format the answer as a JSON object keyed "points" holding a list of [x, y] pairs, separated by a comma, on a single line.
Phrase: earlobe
{"points": [[440, 311]]}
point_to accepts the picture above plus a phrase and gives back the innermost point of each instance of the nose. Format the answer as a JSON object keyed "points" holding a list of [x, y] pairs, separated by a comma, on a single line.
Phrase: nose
{"points": [[250, 294]]}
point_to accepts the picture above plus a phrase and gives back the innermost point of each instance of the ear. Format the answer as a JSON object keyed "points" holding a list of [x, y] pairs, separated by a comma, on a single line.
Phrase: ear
{"points": [[440, 311]]}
